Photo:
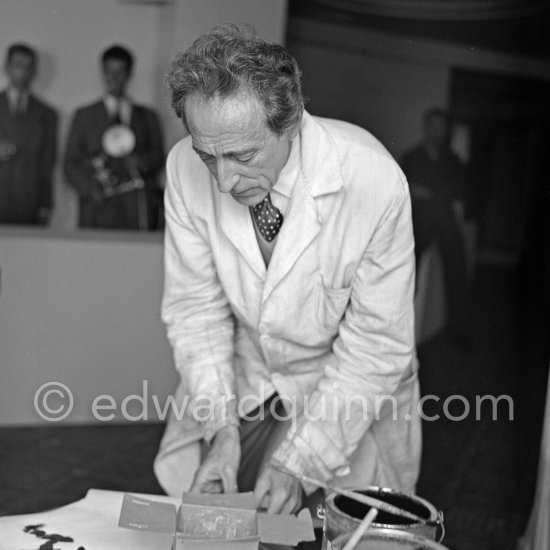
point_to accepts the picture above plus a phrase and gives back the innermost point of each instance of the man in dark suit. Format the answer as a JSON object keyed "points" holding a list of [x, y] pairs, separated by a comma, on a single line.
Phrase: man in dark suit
{"points": [[437, 178], [108, 184], [28, 138]]}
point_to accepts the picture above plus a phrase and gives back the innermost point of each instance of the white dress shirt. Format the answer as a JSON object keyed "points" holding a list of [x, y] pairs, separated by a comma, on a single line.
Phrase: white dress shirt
{"points": [[18, 100]]}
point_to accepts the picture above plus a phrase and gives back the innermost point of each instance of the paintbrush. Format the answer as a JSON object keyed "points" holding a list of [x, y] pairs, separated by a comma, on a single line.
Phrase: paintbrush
{"points": [[359, 497], [363, 526]]}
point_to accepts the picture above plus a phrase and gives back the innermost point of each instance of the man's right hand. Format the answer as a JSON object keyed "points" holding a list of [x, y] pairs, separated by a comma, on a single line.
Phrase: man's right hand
{"points": [[218, 472]]}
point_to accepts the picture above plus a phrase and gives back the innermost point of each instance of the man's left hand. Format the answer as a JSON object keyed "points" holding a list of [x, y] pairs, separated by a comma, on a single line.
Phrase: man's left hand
{"points": [[218, 471], [277, 492]]}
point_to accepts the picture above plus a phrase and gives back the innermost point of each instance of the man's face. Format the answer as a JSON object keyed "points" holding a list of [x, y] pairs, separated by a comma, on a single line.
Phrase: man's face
{"points": [[20, 70], [116, 76], [233, 140]]}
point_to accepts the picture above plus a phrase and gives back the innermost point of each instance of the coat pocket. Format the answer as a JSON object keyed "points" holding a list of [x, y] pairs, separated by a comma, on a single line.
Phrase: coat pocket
{"points": [[332, 305]]}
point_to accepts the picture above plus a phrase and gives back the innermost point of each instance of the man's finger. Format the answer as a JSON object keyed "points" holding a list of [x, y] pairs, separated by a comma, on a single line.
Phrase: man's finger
{"points": [[290, 506], [201, 478], [229, 480], [261, 491], [195, 486], [277, 501]]}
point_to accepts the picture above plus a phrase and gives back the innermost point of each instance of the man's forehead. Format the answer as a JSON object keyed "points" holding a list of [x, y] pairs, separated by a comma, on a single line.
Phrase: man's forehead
{"points": [[241, 112], [235, 123]]}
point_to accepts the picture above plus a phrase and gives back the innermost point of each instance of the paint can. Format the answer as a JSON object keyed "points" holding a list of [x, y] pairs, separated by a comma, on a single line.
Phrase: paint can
{"points": [[342, 515], [388, 539]]}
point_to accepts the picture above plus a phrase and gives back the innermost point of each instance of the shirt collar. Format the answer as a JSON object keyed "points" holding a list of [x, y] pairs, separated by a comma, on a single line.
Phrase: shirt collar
{"points": [[289, 173], [111, 101], [123, 104]]}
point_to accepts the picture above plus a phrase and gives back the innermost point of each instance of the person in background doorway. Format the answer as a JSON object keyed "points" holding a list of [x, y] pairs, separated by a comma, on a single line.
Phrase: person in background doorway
{"points": [[114, 154], [28, 140], [436, 178]]}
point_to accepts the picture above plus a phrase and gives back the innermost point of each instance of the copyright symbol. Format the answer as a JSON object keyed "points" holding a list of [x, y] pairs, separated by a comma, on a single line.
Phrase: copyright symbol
{"points": [[53, 401]]}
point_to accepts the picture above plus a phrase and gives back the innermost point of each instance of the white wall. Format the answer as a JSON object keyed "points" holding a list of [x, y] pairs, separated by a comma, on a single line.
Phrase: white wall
{"points": [[71, 35], [83, 311]]}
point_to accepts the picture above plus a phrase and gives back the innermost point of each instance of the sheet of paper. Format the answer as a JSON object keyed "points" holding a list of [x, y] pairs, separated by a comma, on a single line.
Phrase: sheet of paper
{"points": [[92, 523]]}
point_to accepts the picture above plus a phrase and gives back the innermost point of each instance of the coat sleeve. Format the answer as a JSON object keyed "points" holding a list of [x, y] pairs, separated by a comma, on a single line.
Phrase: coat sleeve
{"points": [[373, 352], [77, 162], [197, 314]]}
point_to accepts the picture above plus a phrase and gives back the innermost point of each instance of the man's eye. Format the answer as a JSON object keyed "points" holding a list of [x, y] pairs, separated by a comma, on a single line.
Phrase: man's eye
{"points": [[245, 159], [205, 158]]}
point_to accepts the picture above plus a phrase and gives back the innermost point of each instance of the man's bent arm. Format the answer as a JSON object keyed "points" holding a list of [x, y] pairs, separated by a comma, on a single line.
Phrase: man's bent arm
{"points": [[373, 352], [198, 317]]}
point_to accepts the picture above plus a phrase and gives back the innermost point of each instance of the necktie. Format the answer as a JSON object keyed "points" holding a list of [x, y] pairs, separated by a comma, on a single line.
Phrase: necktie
{"points": [[268, 218]]}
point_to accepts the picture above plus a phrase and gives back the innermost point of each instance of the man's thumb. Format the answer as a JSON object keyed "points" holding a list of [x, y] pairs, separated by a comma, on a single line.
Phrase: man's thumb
{"points": [[261, 491]]}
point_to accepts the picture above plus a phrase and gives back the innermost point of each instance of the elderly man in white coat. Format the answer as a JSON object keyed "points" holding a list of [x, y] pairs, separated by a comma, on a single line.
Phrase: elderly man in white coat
{"points": [[289, 287]]}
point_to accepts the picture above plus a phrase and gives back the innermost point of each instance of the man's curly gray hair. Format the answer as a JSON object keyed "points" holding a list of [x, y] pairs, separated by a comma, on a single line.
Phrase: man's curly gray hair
{"points": [[230, 60]]}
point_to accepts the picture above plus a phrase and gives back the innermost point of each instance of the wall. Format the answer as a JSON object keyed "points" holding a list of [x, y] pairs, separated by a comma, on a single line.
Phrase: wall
{"points": [[70, 35], [83, 311], [385, 81], [384, 96]]}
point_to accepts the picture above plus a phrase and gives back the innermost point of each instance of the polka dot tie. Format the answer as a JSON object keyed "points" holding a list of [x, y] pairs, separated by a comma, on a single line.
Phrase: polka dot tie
{"points": [[268, 218]]}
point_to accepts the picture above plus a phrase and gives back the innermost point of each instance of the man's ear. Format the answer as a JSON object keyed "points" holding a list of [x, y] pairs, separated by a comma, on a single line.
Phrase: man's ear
{"points": [[293, 132]]}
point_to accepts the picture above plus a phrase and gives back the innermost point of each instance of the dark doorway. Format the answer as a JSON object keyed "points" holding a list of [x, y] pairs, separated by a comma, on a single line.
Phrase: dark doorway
{"points": [[506, 118]]}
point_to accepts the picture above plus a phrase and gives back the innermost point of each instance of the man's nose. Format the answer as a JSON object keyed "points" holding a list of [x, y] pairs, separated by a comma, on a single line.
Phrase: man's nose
{"points": [[226, 175]]}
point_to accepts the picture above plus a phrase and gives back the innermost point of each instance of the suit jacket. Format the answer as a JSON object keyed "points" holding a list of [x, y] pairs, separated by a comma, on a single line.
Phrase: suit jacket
{"points": [[328, 323], [26, 179], [84, 144], [445, 177]]}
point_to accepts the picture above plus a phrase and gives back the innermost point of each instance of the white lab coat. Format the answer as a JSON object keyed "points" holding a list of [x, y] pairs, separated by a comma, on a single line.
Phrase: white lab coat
{"points": [[329, 321]]}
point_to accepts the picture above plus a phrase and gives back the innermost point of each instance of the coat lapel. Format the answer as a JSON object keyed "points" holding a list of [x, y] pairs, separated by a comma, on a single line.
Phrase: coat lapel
{"points": [[300, 227], [320, 174], [236, 224]]}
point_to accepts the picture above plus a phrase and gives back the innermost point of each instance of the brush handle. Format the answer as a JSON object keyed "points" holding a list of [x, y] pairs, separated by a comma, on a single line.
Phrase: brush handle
{"points": [[363, 526]]}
